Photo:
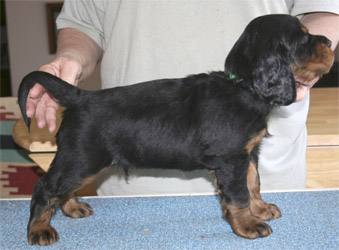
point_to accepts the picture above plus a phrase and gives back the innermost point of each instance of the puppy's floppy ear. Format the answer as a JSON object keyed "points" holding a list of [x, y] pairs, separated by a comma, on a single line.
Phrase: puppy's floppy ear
{"points": [[239, 59], [273, 79], [261, 55], [266, 65]]}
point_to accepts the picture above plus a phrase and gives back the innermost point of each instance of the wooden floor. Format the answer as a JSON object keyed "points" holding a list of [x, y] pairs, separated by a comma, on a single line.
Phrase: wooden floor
{"points": [[323, 117], [323, 139]]}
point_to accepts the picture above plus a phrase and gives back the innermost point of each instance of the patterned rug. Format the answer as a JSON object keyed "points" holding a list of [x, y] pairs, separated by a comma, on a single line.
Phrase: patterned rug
{"points": [[18, 172]]}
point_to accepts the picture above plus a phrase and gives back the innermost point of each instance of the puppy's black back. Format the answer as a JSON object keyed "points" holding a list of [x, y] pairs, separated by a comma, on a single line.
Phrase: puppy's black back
{"points": [[169, 123]]}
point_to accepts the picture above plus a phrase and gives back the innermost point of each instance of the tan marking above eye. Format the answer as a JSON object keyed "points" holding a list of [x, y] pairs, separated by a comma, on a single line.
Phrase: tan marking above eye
{"points": [[304, 29]]}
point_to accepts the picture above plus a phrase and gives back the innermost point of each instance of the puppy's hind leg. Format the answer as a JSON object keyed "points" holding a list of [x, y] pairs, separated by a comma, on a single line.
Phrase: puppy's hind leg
{"points": [[71, 207], [66, 175], [75, 178], [39, 229]]}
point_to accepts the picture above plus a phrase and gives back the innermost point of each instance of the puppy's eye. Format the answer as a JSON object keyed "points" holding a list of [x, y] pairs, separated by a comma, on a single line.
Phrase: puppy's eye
{"points": [[306, 39], [303, 39]]}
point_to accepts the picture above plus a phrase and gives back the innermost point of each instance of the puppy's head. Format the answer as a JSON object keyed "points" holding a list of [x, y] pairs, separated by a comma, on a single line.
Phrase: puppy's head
{"points": [[272, 51]]}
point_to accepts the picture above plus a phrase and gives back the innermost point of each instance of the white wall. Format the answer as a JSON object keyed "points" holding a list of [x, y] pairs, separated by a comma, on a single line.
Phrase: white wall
{"points": [[28, 40]]}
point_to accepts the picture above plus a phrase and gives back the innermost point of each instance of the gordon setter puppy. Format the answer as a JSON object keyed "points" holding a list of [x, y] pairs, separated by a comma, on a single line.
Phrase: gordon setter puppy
{"points": [[212, 121]]}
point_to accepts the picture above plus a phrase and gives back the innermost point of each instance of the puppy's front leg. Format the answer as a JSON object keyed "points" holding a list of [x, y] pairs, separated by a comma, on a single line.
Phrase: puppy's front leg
{"points": [[235, 201], [258, 207]]}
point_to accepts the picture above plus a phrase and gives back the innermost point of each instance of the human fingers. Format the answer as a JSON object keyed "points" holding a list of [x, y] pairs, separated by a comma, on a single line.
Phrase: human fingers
{"points": [[301, 92], [34, 96], [37, 91], [40, 104], [304, 87], [46, 111], [50, 115]]}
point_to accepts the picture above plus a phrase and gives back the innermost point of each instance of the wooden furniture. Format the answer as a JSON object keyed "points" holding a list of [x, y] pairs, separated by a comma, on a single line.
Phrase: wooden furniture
{"points": [[40, 142], [322, 151], [323, 139]]}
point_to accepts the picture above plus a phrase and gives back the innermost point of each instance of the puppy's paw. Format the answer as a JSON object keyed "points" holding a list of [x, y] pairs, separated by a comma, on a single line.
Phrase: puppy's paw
{"points": [[42, 235], [75, 209], [244, 224], [252, 229], [272, 212], [81, 211], [265, 211]]}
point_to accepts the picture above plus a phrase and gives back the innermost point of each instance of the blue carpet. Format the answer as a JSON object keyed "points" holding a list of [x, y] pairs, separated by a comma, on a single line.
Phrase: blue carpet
{"points": [[310, 221]]}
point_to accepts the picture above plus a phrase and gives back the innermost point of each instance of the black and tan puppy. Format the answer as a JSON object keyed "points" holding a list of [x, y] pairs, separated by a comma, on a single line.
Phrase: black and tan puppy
{"points": [[207, 121]]}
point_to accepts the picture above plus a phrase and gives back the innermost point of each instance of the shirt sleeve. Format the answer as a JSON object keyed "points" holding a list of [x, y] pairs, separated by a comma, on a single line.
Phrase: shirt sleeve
{"points": [[300, 7], [84, 15]]}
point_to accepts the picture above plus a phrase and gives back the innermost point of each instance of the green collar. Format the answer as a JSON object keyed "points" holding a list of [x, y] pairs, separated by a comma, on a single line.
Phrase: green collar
{"points": [[235, 78]]}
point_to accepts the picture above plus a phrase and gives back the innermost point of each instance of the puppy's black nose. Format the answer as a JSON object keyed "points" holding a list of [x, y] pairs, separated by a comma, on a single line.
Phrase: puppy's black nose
{"points": [[324, 40], [329, 43]]}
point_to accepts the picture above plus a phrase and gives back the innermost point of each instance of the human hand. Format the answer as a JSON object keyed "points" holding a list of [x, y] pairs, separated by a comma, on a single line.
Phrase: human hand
{"points": [[40, 103], [304, 86]]}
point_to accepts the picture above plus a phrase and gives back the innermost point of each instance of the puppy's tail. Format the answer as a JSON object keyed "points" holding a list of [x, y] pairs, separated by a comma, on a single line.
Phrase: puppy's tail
{"points": [[66, 94]]}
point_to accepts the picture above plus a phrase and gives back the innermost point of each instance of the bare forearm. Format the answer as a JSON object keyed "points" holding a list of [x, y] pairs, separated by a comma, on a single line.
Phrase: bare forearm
{"points": [[74, 44], [326, 24]]}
